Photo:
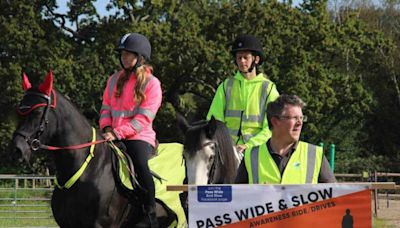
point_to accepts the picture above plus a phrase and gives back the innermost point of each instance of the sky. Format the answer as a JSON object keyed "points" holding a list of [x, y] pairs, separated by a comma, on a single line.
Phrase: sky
{"points": [[101, 6]]}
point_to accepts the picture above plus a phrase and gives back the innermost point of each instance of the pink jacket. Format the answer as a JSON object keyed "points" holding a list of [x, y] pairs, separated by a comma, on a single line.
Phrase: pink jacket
{"points": [[129, 120]]}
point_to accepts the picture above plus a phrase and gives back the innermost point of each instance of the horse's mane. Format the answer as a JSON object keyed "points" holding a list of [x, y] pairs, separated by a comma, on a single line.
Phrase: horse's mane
{"points": [[227, 153], [67, 108]]}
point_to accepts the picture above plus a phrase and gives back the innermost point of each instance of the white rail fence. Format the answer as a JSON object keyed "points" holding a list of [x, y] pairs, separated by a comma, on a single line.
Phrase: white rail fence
{"points": [[25, 197]]}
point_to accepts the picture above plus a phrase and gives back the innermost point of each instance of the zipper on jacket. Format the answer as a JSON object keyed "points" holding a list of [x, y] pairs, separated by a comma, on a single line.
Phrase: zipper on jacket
{"points": [[239, 134]]}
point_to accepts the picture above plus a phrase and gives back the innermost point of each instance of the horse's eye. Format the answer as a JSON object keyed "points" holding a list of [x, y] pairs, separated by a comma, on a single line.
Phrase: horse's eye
{"points": [[211, 159], [212, 146]]}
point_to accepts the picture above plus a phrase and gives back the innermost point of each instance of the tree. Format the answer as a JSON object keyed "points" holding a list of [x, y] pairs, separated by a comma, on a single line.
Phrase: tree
{"points": [[342, 66]]}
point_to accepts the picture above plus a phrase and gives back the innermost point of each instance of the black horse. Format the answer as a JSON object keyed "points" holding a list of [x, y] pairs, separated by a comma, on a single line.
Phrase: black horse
{"points": [[209, 153], [92, 198]]}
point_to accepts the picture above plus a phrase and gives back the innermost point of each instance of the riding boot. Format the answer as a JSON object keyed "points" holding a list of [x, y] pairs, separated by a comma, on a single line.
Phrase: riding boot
{"points": [[149, 219]]}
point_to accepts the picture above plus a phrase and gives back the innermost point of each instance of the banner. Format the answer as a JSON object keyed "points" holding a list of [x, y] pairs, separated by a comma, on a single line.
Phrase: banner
{"points": [[324, 205]]}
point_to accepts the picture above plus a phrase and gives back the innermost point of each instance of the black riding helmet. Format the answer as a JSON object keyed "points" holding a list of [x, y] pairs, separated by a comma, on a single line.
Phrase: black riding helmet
{"points": [[248, 43], [137, 44]]}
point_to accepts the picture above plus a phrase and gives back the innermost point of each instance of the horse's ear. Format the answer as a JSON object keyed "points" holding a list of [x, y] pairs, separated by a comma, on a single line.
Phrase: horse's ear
{"points": [[25, 82], [47, 84], [211, 127], [182, 122]]}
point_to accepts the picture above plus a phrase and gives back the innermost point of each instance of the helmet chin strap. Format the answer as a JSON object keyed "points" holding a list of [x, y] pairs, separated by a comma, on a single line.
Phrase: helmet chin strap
{"points": [[253, 65]]}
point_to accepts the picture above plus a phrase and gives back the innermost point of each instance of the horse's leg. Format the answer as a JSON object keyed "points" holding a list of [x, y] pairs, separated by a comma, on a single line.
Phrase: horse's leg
{"points": [[183, 197], [117, 209]]}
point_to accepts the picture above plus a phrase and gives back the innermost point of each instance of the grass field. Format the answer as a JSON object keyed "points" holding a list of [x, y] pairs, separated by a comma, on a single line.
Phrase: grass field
{"points": [[388, 217], [25, 208]]}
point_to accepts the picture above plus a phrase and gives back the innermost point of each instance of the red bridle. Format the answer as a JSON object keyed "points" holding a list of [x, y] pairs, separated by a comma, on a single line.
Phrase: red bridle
{"points": [[35, 143], [31, 108]]}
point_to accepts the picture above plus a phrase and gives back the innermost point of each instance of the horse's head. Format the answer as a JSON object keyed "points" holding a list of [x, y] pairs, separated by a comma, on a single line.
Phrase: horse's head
{"points": [[209, 152], [34, 111]]}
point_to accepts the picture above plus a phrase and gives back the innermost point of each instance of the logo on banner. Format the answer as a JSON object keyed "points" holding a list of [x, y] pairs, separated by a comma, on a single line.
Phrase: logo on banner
{"points": [[214, 193]]}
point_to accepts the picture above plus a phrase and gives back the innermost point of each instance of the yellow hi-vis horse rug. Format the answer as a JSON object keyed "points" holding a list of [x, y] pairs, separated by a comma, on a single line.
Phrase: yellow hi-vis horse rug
{"points": [[169, 165]]}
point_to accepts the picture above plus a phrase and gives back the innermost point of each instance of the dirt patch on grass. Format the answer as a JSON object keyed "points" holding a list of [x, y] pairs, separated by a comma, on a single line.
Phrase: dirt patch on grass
{"points": [[389, 211]]}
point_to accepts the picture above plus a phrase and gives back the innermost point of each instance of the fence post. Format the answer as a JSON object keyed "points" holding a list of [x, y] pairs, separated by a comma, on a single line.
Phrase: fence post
{"points": [[332, 156], [376, 204], [14, 202], [48, 182]]}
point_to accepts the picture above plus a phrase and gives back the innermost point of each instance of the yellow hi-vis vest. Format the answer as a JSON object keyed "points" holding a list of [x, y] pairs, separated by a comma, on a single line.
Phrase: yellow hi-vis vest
{"points": [[303, 166], [245, 110]]}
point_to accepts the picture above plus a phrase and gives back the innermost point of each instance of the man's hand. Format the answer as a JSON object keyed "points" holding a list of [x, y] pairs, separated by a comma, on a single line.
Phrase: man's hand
{"points": [[241, 148]]}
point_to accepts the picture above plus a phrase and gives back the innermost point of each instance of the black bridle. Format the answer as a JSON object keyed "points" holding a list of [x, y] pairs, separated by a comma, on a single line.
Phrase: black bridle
{"points": [[214, 162], [33, 138]]}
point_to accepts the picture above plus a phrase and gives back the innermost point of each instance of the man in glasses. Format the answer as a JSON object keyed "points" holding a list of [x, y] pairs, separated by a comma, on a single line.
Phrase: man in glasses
{"points": [[284, 159]]}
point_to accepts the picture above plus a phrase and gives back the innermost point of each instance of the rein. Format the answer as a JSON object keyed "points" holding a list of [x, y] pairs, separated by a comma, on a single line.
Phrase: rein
{"points": [[80, 146], [80, 171]]}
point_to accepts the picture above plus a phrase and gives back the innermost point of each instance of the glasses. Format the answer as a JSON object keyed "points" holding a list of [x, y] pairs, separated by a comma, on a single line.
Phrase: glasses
{"points": [[297, 118]]}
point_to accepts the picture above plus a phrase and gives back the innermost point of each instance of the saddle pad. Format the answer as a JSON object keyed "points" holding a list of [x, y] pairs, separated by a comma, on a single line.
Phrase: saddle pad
{"points": [[123, 168]]}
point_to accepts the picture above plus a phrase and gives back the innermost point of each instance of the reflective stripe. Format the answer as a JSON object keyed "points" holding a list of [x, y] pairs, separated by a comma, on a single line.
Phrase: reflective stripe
{"points": [[136, 125], [233, 113], [233, 132], [146, 112], [228, 95], [132, 113], [254, 164], [311, 153], [105, 107], [105, 115], [113, 81], [247, 137], [263, 101], [121, 114], [249, 118], [253, 118]]}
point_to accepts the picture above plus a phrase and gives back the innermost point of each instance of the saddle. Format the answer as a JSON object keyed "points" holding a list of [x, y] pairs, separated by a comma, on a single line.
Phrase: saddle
{"points": [[125, 175]]}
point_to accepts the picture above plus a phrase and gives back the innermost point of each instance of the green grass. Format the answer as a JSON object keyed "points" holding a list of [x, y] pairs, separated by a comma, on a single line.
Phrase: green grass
{"points": [[28, 223], [32, 208], [380, 223]]}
